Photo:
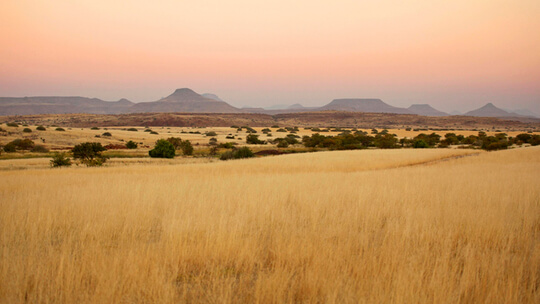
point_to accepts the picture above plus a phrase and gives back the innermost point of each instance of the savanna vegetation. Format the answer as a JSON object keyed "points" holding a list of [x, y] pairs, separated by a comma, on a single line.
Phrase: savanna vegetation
{"points": [[370, 226]]}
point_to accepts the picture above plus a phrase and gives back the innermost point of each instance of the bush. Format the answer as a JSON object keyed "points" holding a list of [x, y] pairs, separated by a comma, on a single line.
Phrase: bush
{"points": [[19, 144], [187, 148], [39, 149], [420, 144], [60, 129], [89, 153], [162, 149], [94, 128], [175, 141], [131, 145], [132, 130], [41, 128], [12, 124], [107, 134], [10, 148], [211, 133], [154, 132], [60, 160], [27, 130], [243, 152], [254, 140]]}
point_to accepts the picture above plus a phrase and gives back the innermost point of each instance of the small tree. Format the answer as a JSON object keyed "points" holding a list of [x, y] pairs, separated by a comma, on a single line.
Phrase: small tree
{"points": [[41, 128], [131, 145], [60, 160], [175, 141], [89, 153], [162, 149], [187, 148]]}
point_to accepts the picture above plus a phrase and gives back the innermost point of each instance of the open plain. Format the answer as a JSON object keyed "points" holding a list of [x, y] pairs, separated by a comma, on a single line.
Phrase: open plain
{"points": [[370, 226]]}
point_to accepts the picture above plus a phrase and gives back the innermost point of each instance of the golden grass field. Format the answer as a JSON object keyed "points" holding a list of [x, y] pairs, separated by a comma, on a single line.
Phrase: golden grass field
{"points": [[370, 226]]}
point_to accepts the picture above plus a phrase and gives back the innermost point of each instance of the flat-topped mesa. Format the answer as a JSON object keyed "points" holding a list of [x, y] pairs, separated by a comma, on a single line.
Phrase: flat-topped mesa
{"points": [[370, 105]]}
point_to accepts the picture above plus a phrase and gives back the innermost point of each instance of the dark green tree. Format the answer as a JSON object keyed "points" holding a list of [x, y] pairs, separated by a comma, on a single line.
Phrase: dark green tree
{"points": [[89, 153], [162, 149]]}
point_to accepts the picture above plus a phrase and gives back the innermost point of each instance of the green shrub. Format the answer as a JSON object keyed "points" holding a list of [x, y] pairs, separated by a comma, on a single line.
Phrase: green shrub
{"points": [[60, 129], [12, 124], [60, 160], [131, 145], [211, 133], [39, 149], [228, 145], [89, 153], [281, 130], [254, 140], [27, 130], [132, 130], [420, 144], [154, 132], [94, 128], [107, 134], [243, 152], [41, 128], [162, 149]]}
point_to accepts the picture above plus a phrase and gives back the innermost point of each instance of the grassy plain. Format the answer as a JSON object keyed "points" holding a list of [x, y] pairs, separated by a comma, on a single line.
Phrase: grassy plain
{"points": [[59, 140], [371, 226]]}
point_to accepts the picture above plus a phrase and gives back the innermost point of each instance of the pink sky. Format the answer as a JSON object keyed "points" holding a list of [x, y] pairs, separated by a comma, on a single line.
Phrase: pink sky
{"points": [[452, 54]]}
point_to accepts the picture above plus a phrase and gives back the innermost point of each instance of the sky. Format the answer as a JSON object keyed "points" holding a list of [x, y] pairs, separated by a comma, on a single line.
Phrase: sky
{"points": [[454, 55]]}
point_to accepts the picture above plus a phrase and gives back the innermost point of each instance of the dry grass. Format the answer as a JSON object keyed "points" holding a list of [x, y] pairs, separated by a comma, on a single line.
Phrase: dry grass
{"points": [[355, 226]]}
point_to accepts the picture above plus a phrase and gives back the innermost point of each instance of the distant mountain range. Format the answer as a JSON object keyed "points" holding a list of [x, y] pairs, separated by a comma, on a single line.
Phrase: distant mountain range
{"points": [[187, 101]]}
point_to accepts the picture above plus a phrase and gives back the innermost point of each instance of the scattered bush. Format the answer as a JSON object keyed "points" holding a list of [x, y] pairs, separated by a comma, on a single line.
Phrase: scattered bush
{"points": [[107, 134], [243, 152], [132, 130], [162, 149], [60, 160], [59, 129], [94, 128], [211, 133], [19, 144], [27, 130], [12, 124], [154, 132], [89, 153], [41, 128], [281, 130], [131, 145], [254, 140], [39, 149]]}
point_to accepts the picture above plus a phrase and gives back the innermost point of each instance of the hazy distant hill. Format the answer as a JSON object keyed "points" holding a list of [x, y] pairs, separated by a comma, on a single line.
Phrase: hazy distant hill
{"points": [[184, 100], [363, 105], [212, 96], [523, 112], [60, 105], [490, 110], [296, 106], [426, 110]]}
